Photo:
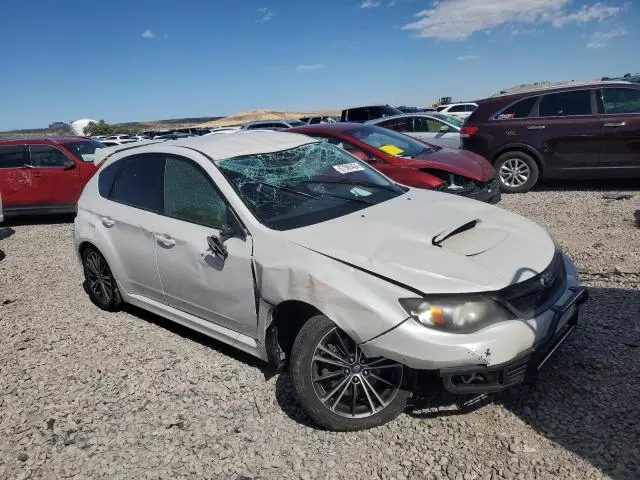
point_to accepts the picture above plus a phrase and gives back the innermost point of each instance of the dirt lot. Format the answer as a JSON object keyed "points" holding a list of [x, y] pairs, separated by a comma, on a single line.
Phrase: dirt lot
{"points": [[84, 393]]}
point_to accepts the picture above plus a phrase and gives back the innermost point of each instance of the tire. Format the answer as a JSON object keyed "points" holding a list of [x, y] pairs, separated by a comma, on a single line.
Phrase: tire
{"points": [[508, 164], [99, 282], [341, 411]]}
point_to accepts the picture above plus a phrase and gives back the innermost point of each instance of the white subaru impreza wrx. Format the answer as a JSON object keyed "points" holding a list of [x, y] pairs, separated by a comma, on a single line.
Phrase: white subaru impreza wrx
{"points": [[295, 251]]}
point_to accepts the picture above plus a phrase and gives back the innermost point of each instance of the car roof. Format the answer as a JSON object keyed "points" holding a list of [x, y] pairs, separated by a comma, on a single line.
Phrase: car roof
{"points": [[218, 147], [18, 141], [322, 127], [559, 88]]}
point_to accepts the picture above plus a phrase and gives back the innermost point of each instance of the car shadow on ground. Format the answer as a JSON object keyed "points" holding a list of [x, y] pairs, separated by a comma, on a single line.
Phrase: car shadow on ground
{"points": [[5, 232], [592, 185], [587, 399], [198, 337], [40, 220]]}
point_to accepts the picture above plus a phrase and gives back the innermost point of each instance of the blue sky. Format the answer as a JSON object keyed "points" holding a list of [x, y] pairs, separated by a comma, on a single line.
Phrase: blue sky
{"points": [[143, 60]]}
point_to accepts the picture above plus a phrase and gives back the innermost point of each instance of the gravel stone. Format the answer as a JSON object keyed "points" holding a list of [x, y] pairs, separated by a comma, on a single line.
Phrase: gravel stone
{"points": [[90, 394]]}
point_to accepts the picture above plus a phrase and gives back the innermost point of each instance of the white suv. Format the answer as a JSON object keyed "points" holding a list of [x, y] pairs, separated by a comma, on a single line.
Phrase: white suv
{"points": [[295, 251], [460, 110]]}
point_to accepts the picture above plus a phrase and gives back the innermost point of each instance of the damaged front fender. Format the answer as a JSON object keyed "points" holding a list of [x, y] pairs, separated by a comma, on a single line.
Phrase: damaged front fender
{"points": [[362, 305]]}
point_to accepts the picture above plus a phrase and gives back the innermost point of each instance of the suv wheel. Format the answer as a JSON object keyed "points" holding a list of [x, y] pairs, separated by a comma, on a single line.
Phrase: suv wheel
{"points": [[340, 388], [99, 282], [518, 172]]}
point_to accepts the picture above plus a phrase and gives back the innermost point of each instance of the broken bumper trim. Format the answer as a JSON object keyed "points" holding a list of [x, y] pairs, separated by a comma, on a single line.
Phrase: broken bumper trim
{"points": [[524, 367]]}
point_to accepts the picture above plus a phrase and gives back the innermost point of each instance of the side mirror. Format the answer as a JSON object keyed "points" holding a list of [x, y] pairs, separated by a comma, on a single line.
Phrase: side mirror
{"points": [[69, 165], [444, 128], [233, 229]]}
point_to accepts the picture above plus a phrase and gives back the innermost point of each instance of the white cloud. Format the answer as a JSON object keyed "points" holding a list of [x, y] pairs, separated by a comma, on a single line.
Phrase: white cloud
{"points": [[370, 3], [392, 3], [308, 68], [601, 39], [265, 14], [458, 19], [148, 34], [466, 58], [598, 11]]}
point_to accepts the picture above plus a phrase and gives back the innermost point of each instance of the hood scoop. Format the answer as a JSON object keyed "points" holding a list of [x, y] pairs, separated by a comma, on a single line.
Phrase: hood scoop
{"points": [[470, 238]]}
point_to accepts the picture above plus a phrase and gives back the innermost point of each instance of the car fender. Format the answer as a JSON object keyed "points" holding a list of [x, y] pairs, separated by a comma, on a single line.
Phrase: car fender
{"points": [[361, 303]]}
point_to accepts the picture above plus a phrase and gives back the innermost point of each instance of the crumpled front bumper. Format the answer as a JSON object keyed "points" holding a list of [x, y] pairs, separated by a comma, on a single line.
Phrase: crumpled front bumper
{"points": [[525, 367], [490, 349]]}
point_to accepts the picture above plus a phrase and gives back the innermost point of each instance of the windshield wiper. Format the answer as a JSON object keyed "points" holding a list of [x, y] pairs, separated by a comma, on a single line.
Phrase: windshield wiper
{"points": [[355, 182], [286, 189]]}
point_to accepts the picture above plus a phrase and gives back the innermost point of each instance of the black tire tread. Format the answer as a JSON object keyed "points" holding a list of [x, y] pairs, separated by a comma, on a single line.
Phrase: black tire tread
{"points": [[116, 301]]}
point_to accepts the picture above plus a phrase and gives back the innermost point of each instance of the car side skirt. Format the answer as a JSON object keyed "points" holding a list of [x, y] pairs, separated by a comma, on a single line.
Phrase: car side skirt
{"points": [[217, 332], [19, 210]]}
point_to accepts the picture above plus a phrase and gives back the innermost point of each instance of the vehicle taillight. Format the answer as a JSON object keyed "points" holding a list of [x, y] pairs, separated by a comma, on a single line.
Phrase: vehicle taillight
{"points": [[468, 131]]}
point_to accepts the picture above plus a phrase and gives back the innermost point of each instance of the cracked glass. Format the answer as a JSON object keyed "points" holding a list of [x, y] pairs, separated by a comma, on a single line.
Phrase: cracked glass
{"points": [[305, 185]]}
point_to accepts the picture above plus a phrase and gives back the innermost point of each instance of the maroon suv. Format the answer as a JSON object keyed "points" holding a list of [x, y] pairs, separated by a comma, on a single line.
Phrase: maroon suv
{"points": [[589, 130]]}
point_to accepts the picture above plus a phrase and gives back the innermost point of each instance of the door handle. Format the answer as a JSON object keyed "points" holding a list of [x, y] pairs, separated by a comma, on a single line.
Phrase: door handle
{"points": [[108, 221], [614, 124], [165, 240], [536, 127]]}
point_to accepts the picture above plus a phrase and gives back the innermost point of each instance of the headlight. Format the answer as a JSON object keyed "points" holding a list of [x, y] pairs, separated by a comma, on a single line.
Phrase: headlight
{"points": [[456, 315]]}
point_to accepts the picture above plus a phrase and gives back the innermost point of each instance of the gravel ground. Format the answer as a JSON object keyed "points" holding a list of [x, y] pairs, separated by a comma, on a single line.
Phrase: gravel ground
{"points": [[84, 393]]}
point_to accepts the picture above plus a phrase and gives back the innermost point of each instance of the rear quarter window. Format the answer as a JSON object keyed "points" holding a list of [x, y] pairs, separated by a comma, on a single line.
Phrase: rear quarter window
{"points": [[519, 109], [106, 178]]}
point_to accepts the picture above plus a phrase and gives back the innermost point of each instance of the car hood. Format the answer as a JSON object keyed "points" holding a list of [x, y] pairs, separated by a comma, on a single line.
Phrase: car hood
{"points": [[433, 242], [461, 162]]}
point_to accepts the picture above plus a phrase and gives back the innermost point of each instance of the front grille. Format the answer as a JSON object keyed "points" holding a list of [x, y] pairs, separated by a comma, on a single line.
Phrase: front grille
{"points": [[462, 185], [538, 293]]}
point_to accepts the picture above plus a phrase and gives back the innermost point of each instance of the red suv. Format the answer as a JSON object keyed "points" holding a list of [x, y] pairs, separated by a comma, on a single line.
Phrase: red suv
{"points": [[44, 175], [589, 130]]}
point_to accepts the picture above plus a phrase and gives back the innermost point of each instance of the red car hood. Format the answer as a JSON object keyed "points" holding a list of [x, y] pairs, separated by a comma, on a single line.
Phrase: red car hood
{"points": [[461, 162]]}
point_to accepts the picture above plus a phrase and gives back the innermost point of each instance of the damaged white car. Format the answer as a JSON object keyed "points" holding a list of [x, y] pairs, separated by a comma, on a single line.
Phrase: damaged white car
{"points": [[300, 254]]}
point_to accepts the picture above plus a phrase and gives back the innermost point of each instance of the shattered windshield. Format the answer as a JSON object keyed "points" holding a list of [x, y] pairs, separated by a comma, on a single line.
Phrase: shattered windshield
{"points": [[305, 185]]}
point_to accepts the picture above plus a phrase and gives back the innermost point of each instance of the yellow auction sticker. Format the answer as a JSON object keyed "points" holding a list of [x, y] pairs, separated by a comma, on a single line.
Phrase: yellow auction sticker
{"points": [[391, 150]]}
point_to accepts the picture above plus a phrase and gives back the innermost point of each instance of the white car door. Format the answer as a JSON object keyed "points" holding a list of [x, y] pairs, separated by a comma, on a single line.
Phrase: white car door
{"points": [[131, 208], [194, 278], [431, 131]]}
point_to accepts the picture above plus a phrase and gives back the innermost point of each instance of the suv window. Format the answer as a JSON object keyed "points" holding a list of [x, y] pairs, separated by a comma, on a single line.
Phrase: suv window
{"points": [[13, 156], [139, 183], [189, 195], [621, 100], [357, 115], [458, 108], [520, 109], [107, 177], [46, 156], [397, 124], [576, 102]]}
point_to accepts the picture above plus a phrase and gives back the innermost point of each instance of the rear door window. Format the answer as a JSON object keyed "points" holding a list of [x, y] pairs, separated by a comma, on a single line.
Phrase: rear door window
{"points": [[45, 156], [14, 156], [426, 125], [621, 100], [139, 183], [563, 104], [520, 109]]}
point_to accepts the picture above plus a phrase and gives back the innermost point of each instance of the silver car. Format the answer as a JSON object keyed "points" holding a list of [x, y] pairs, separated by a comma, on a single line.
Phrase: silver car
{"points": [[434, 128]]}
